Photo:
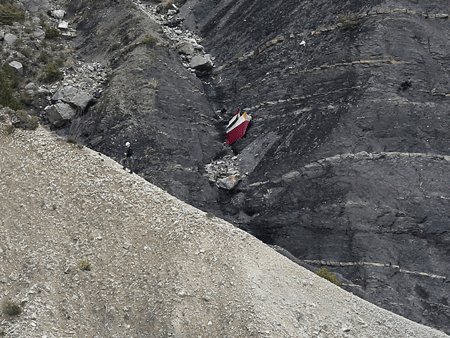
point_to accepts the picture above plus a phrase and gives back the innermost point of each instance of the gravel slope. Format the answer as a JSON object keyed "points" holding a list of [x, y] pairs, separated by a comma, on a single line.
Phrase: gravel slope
{"points": [[159, 267]]}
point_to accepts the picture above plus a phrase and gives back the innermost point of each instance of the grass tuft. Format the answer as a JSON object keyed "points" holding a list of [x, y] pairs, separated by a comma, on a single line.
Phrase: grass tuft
{"points": [[84, 265], [10, 14], [329, 276], [349, 21], [10, 308], [52, 73]]}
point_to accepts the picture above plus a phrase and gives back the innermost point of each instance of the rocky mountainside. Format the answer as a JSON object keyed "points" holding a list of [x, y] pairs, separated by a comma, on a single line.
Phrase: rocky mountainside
{"points": [[89, 250], [346, 162], [347, 158]]}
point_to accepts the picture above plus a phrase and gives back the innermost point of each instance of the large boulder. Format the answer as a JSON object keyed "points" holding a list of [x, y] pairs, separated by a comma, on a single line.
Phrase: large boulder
{"points": [[74, 96], [185, 48], [60, 113], [201, 63]]}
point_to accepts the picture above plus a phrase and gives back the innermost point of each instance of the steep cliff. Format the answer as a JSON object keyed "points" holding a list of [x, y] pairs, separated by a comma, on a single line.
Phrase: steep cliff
{"points": [[345, 157]]}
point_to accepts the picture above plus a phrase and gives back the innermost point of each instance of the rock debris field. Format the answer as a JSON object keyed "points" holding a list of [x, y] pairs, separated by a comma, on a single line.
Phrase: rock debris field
{"points": [[88, 250]]}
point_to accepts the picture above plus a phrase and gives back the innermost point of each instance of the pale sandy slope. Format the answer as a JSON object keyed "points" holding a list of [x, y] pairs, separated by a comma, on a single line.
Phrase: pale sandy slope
{"points": [[160, 268]]}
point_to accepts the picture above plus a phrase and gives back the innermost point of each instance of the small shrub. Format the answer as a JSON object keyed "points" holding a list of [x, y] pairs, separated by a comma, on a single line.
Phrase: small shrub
{"points": [[329, 276], [149, 40], [9, 83], [51, 33], [349, 21], [52, 73], [153, 83], [72, 140], [10, 14], [84, 265], [9, 129], [10, 308], [21, 119], [43, 58], [27, 51]]}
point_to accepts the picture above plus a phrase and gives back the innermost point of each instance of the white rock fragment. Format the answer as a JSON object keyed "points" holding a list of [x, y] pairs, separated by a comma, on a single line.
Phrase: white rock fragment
{"points": [[10, 39], [17, 66], [58, 13], [63, 25]]}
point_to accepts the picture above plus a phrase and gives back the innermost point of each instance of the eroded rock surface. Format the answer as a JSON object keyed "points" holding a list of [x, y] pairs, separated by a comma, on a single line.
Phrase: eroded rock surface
{"points": [[355, 82]]}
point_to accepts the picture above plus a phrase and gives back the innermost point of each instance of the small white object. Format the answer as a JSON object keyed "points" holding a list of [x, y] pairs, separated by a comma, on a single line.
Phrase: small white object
{"points": [[63, 25], [303, 43]]}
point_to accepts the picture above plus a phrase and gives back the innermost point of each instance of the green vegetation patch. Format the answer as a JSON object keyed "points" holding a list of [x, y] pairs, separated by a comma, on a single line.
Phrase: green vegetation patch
{"points": [[51, 33], [329, 276], [10, 14], [21, 119], [149, 40], [9, 87], [52, 73], [84, 265], [10, 308], [349, 21]]}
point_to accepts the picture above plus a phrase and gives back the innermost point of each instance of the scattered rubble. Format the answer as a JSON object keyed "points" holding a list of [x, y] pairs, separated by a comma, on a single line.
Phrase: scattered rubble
{"points": [[82, 84], [224, 172], [187, 43]]}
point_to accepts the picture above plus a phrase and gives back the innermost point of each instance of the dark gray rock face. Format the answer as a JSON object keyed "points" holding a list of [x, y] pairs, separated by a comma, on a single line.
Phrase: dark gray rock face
{"points": [[344, 131], [151, 101]]}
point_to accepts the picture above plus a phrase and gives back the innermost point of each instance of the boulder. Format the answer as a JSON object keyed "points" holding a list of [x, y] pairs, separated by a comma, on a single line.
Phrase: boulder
{"points": [[73, 96], [30, 88], [60, 113], [290, 176], [58, 13], [185, 48], [10, 39], [229, 182], [39, 33], [17, 66], [201, 63]]}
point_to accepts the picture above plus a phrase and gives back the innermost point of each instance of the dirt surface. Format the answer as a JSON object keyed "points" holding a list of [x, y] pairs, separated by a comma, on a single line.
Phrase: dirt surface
{"points": [[158, 267]]}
